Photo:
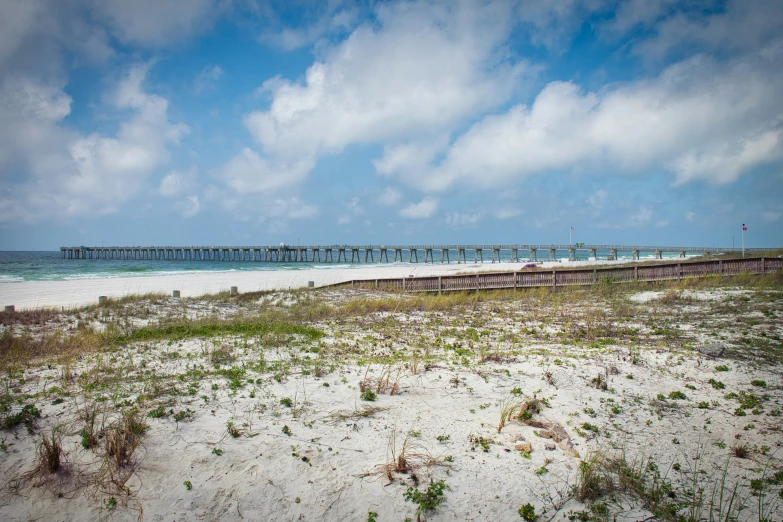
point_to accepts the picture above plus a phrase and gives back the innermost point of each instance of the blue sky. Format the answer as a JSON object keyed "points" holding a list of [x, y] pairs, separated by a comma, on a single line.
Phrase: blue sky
{"points": [[255, 122]]}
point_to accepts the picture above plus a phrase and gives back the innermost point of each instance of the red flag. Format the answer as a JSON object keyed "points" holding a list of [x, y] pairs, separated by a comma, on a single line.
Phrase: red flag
{"points": [[744, 227]]}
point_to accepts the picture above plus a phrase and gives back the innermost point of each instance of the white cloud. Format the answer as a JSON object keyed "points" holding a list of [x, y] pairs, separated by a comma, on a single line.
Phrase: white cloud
{"points": [[699, 118], [423, 209], [463, 219], [249, 172], [690, 216], [419, 70], [320, 20], [597, 199], [292, 208], [154, 23], [189, 207], [70, 174], [641, 217], [207, 78], [772, 215], [176, 183], [389, 197], [738, 26], [508, 212], [344, 220]]}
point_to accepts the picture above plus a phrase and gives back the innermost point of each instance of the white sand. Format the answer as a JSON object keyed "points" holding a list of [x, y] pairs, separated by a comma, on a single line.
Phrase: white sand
{"points": [[73, 293]]}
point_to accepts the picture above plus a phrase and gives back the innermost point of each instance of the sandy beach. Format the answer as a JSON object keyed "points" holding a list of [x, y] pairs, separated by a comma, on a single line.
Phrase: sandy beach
{"points": [[80, 292], [358, 405]]}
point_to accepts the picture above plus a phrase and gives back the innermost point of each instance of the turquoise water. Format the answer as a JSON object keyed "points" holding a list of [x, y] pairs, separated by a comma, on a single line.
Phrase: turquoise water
{"points": [[49, 266]]}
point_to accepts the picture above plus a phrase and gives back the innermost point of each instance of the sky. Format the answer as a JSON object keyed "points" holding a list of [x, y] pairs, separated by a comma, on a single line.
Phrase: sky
{"points": [[252, 122]]}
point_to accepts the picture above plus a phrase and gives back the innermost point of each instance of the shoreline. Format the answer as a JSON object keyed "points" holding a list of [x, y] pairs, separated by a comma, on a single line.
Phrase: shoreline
{"points": [[74, 293]]}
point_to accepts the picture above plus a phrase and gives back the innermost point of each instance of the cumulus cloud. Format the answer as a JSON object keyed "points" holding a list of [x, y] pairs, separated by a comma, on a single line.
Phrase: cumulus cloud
{"points": [[420, 69], [71, 174], [153, 23], [250, 172], [740, 25], [318, 20], [423, 209], [700, 119]]}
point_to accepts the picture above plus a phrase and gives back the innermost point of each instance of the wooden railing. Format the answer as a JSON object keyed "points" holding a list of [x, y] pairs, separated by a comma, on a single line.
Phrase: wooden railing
{"points": [[572, 277]]}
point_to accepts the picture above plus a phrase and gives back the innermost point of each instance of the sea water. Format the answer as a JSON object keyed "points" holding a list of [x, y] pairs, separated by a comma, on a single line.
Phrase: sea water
{"points": [[50, 266]]}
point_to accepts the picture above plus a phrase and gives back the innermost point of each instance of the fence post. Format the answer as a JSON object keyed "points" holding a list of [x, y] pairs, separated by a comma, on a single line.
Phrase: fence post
{"points": [[554, 278], [516, 280], [763, 267], [636, 273], [403, 284], [440, 287], [679, 271], [720, 266], [478, 283]]}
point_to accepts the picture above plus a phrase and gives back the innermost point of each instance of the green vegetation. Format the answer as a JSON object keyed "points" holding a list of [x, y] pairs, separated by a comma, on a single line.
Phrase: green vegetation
{"points": [[429, 499]]}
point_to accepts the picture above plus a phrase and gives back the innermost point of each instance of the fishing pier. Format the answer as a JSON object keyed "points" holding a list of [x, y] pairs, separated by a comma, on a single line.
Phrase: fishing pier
{"points": [[378, 253]]}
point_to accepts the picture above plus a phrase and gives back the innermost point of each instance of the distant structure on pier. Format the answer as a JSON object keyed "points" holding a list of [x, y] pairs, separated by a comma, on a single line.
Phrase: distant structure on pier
{"points": [[369, 253]]}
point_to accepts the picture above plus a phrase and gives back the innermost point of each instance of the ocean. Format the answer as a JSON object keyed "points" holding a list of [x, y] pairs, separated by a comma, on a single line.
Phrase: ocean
{"points": [[50, 266]]}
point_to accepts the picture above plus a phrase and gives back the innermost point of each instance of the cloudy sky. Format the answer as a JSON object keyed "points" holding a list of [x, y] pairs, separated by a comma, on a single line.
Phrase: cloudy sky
{"points": [[255, 122]]}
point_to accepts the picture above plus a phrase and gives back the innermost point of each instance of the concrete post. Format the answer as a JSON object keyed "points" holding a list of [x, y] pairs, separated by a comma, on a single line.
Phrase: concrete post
{"points": [[311, 284], [554, 278], [234, 290], [102, 299], [10, 308], [175, 293]]}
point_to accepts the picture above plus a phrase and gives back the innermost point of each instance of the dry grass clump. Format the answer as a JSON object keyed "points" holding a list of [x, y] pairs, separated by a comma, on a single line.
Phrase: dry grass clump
{"points": [[50, 453], [507, 408], [675, 297], [363, 413], [593, 480], [388, 382], [740, 450], [221, 355], [37, 317], [404, 457], [123, 438]]}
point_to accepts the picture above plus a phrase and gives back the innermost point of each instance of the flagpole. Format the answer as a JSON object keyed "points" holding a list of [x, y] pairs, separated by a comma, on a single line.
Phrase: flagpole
{"points": [[743, 240]]}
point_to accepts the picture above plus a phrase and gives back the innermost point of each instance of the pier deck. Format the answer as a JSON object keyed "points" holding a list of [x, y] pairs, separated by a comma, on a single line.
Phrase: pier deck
{"points": [[376, 253]]}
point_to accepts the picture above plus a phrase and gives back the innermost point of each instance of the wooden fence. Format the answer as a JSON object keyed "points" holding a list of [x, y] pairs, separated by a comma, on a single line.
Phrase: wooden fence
{"points": [[572, 277]]}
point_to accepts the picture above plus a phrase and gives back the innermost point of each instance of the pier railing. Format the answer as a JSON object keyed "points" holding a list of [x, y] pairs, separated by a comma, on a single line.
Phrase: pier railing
{"points": [[572, 277]]}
